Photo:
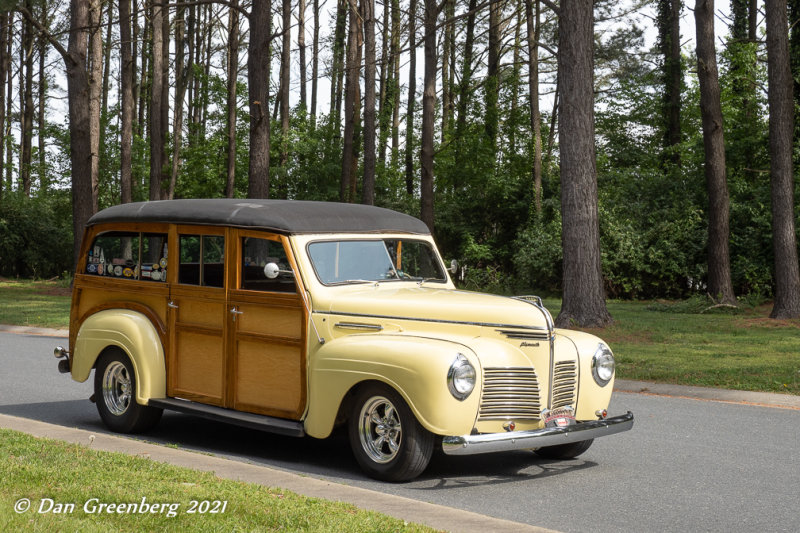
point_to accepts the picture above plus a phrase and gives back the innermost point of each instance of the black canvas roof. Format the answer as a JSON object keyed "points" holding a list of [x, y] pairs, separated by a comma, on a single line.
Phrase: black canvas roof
{"points": [[281, 216]]}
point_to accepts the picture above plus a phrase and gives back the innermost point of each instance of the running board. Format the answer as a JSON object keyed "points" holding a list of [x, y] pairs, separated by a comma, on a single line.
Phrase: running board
{"points": [[269, 424]]}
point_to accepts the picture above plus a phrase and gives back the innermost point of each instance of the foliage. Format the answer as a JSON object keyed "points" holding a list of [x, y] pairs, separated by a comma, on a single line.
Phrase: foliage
{"points": [[35, 236]]}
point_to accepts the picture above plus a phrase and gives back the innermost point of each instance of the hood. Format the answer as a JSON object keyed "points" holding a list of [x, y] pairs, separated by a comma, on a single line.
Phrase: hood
{"points": [[438, 305]]}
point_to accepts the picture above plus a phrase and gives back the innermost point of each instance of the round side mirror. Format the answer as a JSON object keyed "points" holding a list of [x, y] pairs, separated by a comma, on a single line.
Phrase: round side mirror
{"points": [[271, 270], [453, 266]]}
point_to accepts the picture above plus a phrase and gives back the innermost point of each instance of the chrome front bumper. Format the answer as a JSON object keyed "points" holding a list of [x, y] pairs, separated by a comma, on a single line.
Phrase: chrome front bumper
{"points": [[538, 438]]}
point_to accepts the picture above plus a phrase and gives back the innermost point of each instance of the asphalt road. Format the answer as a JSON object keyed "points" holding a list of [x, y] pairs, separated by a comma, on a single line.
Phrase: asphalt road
{"points": [[688, 465]]}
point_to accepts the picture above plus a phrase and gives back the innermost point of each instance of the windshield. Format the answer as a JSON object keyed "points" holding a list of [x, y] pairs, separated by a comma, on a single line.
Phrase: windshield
{"points": [[375, 260]]}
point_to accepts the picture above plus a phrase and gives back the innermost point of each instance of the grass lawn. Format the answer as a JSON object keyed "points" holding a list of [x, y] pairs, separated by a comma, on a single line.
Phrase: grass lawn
{"points": [[34, 303], [664, 342], [51, 473], [745, 350]]}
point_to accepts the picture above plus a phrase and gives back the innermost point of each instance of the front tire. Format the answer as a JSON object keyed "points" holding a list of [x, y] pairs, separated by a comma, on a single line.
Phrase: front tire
{"points": [[387, 440], [115, 395], [564, 451]]}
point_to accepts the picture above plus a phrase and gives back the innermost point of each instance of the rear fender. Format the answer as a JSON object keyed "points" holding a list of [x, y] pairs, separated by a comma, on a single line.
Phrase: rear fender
{"points": [[136, 336]]}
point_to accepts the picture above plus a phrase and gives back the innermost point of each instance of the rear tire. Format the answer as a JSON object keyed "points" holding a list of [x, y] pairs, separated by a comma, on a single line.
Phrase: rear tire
{"points": [[115, 395], [387, 440], [564, 451]]}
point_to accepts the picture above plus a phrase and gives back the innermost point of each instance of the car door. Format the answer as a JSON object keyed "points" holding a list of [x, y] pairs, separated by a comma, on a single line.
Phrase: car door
{"points": [[197, 362], [267, 317]]}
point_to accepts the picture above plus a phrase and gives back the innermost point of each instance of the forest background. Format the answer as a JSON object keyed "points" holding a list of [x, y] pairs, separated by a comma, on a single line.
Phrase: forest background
{"points": [[213, 98]]}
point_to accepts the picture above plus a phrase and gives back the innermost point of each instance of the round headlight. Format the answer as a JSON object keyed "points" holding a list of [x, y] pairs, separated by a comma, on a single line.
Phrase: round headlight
{"points": [[461, 378], [603, 365]]}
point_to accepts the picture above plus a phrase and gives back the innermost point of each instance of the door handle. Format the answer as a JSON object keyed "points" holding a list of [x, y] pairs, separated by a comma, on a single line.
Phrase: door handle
{"points": [[235, 311], [172, 304]]}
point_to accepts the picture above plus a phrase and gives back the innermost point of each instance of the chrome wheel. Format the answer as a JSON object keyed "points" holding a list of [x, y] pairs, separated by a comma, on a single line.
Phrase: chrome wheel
{"points": [[117, 388], [379, 429]]}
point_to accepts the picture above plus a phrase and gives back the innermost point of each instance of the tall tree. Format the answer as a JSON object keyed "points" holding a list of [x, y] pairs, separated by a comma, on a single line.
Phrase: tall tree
{"points": [[95, 89], [181, 83], [412, 95], [258, 69], [584, 297], [4, 69], [315, 64], [368, 17], [532, 12], [301, 48], [155, 121], [351, 88], [285, 79], [428, 114], [720, 285], [233, 71], [127, 100], [781, 129], [669, 42], [26, 104]]}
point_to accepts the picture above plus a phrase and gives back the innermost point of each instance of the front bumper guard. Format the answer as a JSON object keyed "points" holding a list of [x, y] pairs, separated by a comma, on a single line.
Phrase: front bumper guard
{"points": [[538, 438]]}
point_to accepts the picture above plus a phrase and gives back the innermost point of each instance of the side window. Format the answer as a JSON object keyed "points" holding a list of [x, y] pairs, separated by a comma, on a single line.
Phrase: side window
{"points": [[129, 255], [202, 260], [256, 255]]}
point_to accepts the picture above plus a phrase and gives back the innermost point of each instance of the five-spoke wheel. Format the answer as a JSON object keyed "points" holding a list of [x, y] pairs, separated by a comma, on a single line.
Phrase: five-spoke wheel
{"points": [[115, 394]]}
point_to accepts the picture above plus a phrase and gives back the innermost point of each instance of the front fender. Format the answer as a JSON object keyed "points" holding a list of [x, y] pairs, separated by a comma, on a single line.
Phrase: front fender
{"points": [[133, 333], [416, 367]]}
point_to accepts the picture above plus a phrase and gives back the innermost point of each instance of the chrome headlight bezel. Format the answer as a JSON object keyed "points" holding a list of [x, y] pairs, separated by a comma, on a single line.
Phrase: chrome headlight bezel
{"points": [[603, 365], [461, 378]]}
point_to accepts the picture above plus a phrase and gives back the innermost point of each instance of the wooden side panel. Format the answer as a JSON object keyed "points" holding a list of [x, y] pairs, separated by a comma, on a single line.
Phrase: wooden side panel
{"points": [[200, 366], [268, 377]]}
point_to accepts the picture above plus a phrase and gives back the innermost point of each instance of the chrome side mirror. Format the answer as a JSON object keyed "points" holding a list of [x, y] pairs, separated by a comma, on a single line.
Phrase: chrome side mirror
{"points": [[272, 271], [453, 267]]}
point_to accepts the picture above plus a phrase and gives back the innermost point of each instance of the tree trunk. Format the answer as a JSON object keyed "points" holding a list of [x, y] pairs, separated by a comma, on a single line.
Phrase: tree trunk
{"points": [[385, 79], [26, 116], [672, 76], [9, 99], [794, 58], [181, 81], [285, 80], [337, 68], [156, 126], [349, 106], [428, 114], [464, 86], [126, 98], [95, 90], [368, 15], [412, 95], [719, 270], [301, 48], [80, 141], [42, 45], [258, 69], [449, 6], [233, 70], [781, 129], [5, 27], [492, 84], [584, 298], [315, 64], [532, 12]]}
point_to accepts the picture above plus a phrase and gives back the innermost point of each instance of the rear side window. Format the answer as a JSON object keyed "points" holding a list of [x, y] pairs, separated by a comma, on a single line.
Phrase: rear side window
{"points": [[129, 255], [202, 260]]}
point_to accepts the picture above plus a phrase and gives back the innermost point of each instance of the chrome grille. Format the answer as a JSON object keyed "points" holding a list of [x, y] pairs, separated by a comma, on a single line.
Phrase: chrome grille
{"points": [[565, 379], [510, 393]]}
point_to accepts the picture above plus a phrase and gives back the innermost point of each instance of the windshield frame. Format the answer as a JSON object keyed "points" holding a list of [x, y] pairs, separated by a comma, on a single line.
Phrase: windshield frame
{"points": [[371, 238]]}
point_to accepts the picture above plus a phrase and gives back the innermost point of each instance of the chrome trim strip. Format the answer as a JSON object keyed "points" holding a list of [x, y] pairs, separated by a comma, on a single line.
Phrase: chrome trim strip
{"points": [[521, 440], [434, 320], [536, 301], [356, 325]]}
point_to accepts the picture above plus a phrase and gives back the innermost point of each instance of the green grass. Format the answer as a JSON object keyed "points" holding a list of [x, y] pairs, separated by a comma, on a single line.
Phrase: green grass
{"points": [[34, 303], [744, 350], [40, 469], [669, 342]]}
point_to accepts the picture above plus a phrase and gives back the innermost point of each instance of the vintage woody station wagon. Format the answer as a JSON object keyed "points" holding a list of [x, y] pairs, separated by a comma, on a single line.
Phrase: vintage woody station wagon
{"points": [[294, 317]]}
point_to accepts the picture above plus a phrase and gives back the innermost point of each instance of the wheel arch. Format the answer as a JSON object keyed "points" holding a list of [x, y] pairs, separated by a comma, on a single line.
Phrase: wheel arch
{"points": [[415, 367], [133, 333]]}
